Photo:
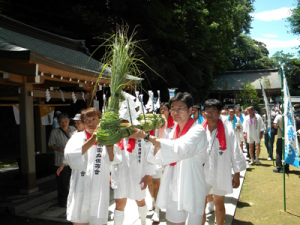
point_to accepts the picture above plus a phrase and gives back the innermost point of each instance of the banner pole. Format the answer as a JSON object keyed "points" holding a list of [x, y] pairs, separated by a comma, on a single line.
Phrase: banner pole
{"points": [[283, 140], [269, 142]]}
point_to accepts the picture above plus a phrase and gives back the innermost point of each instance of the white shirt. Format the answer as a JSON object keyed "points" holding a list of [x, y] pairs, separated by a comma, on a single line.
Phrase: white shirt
{"points": [[253, 130], [89, 184], [184, 182], [127, 175], [218, 170]]}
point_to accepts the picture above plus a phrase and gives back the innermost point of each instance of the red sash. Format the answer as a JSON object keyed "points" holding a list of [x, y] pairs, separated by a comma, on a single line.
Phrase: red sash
{"points": [[130, 145], [221, 133], [185, 129], [171, 122]]}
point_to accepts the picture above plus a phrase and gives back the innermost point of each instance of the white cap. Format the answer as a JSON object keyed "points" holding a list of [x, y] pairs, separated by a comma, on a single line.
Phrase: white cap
{"points": [[77, 117]]}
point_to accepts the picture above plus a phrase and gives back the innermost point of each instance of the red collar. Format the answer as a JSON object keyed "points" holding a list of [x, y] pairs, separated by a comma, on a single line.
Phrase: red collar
{"points": [[185, 129], [171, 122], [220, 134]]}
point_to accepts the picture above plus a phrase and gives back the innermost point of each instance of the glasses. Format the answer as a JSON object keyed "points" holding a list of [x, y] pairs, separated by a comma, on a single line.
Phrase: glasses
{"points": [[211, 111], [180, 109]]}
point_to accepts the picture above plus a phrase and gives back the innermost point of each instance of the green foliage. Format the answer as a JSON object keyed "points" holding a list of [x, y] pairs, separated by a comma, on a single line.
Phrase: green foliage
{"points": [[249, 96], [188, 42], [249, 54], [291, 68]]}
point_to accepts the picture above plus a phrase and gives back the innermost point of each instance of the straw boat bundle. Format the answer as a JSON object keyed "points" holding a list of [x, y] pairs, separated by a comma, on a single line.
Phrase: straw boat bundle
{"points": [[120, 56]]}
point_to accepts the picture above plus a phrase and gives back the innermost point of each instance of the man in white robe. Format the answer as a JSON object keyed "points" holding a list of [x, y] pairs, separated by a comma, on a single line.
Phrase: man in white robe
{"points": [[224, 155], [237, 127], [183, 188], [240, 115], [253, 130], [88, 199], [129, 178]]}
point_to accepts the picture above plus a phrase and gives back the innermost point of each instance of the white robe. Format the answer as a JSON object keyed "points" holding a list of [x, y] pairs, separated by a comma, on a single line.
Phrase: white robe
{"points": [[184, 182], [218, 169], [89, 183], [166, 135], [253, 130], [238, 132], [126, 176]]}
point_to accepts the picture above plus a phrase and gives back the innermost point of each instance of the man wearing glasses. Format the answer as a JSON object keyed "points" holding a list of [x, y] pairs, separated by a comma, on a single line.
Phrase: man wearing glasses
{"points": [[183, 188], [224, 156]]}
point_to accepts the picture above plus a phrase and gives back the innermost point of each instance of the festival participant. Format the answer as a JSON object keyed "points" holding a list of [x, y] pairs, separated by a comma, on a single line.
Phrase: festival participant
{"points": [[197, 114], [130, 178], [154, 181], [183, 188], [224, 112], [239, 114], [224, 156], [88, 199], [237, 126], [253, 131]]}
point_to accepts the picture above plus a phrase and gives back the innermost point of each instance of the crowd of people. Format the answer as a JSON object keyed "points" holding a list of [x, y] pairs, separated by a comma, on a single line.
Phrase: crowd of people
{"points": [[187, 163]]}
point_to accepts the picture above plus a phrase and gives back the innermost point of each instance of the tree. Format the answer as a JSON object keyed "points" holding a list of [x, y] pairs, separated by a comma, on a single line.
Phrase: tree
{"points": [[187, 42], [248, 96], [291, 68], [249, 54]]}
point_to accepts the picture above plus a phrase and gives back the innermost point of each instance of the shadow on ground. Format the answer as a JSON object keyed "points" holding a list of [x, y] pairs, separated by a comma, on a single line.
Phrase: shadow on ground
{"points": [[242, 204], [239, 222]]}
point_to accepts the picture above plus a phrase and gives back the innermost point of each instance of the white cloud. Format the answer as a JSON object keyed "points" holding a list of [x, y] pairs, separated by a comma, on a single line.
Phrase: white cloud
{"points": [[270, 35], [271, 43], [276, 14]]}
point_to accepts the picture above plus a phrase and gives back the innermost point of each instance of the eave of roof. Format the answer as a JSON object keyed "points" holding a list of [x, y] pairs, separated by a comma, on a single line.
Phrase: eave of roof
{"points": [[19, 41]]}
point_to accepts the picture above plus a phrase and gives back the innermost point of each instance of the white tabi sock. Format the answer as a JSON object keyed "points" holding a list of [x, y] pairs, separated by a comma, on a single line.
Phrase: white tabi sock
{"points": [[143, 213], [155, 216], [209, 207], [118, 217]]}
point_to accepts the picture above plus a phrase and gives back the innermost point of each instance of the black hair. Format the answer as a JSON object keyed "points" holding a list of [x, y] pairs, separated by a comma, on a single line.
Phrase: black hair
{"points": [[63, 116], [165, 104], [184, 97], [238, 108], [212, 103], [251, 107], [197, 107]]}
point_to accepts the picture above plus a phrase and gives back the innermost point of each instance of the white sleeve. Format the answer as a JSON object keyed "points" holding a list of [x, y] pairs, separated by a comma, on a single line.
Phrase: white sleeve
{"points": [[117, 155], [73, 153], [238, 160], [245, 126], [276, 119], [262, 124], [192, 143], [149, 168]]}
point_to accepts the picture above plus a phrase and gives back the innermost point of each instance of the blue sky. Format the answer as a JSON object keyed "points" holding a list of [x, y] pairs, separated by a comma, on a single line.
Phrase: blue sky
{"points": [[270, 26]]}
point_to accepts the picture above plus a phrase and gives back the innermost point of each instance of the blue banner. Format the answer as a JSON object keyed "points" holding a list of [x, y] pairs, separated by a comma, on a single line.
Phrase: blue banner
{"points": [[290, 134]]}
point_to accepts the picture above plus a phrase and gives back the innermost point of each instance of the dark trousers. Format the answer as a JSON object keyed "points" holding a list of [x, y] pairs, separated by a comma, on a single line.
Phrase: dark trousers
{"points": [[271, 140], [254, 147], [62, 182], [279, 156]]}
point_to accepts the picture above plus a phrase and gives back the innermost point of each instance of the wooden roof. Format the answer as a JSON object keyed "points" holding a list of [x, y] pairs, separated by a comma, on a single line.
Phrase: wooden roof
{"points": [[47, 60]]}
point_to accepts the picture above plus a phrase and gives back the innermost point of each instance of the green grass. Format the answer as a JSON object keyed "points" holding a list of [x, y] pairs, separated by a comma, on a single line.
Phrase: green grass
{"points": [[7, 163], [261, 199]]}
